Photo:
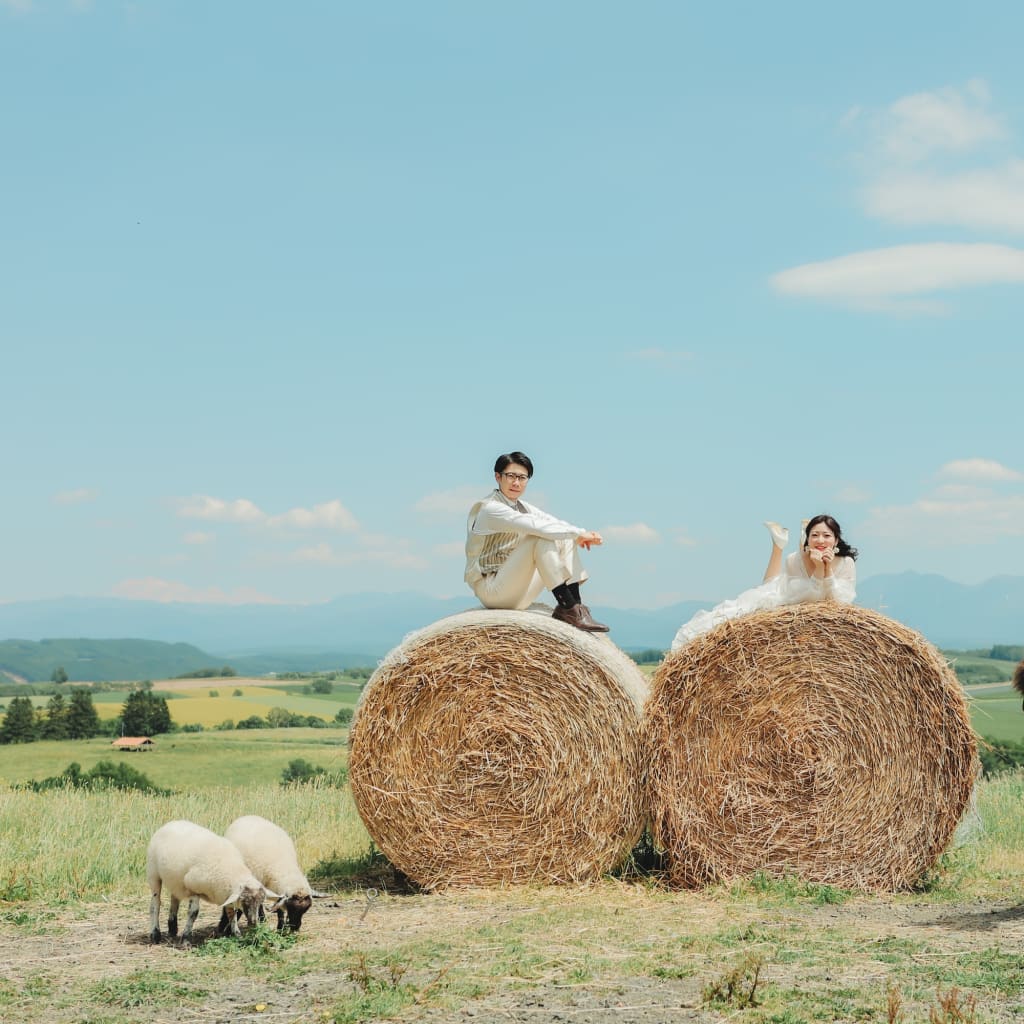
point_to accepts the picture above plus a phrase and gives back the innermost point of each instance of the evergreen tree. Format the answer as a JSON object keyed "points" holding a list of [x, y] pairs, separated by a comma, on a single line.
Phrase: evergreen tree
{"points": [[19, 722], [59, 675], [83, 721], [55, 727], [144, 714]]}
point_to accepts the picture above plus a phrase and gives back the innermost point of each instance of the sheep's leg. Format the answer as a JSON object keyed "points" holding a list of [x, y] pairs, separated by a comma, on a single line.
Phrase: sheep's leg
{"points": [[222, 924], [193, 913], [280, 920], [154, 916], [233, 921], [172, 917]]}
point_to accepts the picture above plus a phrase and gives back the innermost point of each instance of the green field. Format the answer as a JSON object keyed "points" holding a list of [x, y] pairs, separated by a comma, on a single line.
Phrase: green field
{"points": [[74, 926], [187, 761]]}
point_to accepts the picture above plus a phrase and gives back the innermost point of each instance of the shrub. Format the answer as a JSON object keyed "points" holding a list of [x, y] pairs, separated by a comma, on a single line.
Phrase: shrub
{"points": [[1000, 755], [252, 722], [103, 775]]}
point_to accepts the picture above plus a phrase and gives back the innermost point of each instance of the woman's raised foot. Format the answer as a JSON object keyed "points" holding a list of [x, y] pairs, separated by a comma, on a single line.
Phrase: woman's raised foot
{"points": [[780, 535]]}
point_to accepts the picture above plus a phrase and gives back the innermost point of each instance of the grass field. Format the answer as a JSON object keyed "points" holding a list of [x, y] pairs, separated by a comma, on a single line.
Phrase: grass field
{"points": [[74, 924], [188, 761]]}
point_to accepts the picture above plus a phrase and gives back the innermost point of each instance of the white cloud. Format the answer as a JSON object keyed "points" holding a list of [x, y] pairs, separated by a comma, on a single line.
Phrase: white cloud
{"points": [[883, 278], [949, 521], [331, 515], [681, 536], [987, 470], [152, 588], [75, 497], [392, 558], [982, 199], [17, 6], [945, 120], [453, 549], [202, 506], [454, 502], [637, 533], [851, 494], [197, 537]]}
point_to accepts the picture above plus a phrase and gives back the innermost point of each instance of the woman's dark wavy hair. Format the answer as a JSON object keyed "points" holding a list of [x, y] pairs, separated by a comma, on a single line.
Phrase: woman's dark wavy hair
{"points": [[844, 549], [504, 461]]}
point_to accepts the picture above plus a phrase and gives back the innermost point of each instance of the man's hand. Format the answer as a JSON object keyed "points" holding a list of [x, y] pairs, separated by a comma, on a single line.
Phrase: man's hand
{"points": [[585, 540]]}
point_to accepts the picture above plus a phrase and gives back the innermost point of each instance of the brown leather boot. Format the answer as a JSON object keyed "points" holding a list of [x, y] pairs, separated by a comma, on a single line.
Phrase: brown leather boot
{"points": [[579, 616]]}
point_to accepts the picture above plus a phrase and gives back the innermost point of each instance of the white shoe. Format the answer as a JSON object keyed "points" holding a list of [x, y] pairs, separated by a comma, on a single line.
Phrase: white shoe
{"points": [[780, 535]]}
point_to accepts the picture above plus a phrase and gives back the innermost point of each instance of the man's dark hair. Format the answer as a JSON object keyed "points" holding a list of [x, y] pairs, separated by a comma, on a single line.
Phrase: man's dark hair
{"points": [[504, 461]]}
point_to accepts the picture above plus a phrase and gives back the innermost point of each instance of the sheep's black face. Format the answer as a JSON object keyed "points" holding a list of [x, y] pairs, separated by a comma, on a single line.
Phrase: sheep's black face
{"points": [[295, 907]]}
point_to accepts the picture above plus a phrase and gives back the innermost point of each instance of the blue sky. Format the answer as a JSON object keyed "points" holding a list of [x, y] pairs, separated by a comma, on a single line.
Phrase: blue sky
{"points": [[279, 281]]}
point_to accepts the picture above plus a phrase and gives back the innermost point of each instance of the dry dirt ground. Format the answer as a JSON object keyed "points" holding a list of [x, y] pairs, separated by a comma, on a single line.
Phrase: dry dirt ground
{"points": [[52, 972]]}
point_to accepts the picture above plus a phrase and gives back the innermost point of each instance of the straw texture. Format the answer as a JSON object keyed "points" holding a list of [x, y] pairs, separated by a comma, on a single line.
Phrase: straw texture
{"points": [[501, 746], [825, 741]]}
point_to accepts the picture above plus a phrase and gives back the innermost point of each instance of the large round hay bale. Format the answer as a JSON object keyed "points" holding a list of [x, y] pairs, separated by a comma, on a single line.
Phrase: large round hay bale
{"points": [[501, 746], [824, 741]]}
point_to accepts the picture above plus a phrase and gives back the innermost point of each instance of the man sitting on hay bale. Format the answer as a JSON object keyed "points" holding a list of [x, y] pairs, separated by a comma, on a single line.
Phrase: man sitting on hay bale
{"points": [[514, 550]]}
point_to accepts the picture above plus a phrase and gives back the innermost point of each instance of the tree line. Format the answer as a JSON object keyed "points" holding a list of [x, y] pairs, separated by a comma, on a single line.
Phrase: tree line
{"points": [[75, 718]]}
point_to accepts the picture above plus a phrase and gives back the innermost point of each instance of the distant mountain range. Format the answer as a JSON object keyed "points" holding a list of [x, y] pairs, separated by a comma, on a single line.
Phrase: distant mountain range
{"points": [[359, 629]]}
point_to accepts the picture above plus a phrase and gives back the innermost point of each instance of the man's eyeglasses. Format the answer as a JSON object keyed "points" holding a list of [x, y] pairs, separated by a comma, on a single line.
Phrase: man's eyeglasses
{"points": [[518, 477]]}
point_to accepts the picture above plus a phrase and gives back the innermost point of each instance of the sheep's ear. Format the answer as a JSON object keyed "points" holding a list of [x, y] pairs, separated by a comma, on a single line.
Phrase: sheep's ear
{"points": [[318, 895], [233, 898], [281, 900], [272, 895]]}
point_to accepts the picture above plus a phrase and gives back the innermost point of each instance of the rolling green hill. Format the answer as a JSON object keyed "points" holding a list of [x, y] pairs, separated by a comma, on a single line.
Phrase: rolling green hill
{"points": [[98, 660]]}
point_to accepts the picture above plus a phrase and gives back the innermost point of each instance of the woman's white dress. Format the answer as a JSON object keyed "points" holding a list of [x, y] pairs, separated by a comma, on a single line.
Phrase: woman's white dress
{"points": [[792, 586]]}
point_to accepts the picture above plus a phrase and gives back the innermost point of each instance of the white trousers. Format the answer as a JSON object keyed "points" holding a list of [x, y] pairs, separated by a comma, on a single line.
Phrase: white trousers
{"points": [[533, 565]]}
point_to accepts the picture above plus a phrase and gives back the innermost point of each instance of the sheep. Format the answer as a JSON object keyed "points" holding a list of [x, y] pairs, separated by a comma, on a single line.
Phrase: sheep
{"points": [[270, 853], [1018, 680], [195, 863]]}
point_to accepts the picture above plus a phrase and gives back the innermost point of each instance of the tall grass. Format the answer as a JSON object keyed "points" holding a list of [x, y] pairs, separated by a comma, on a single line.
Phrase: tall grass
{"points": [[66, 845]]}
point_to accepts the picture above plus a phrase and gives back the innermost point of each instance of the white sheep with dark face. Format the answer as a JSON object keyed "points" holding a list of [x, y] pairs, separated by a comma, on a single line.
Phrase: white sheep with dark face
{"points": [[1018, 680], [195, 864], [270, 853]]}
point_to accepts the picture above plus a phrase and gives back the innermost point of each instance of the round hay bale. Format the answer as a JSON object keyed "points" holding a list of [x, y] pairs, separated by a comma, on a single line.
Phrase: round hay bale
{"points": [[501, 746], [823, 741]]}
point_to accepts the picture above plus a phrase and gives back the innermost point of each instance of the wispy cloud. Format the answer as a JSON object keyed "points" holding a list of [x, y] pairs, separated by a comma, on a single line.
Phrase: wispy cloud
{"points": [[636, 533], [456, 501], [970, 505], [202, 506], [17, 6], [392, 558], [198, 537], [453, 549], [887, 278], [152, 588], [984, 199], [76, 497], [851, 494], [331, 515], [682, 537], [985, 470], [945, 520], [946, 120]]}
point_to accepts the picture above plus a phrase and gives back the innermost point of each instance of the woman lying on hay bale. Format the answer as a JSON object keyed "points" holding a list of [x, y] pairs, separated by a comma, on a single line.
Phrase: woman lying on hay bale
{"points": [[823, 570]]}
